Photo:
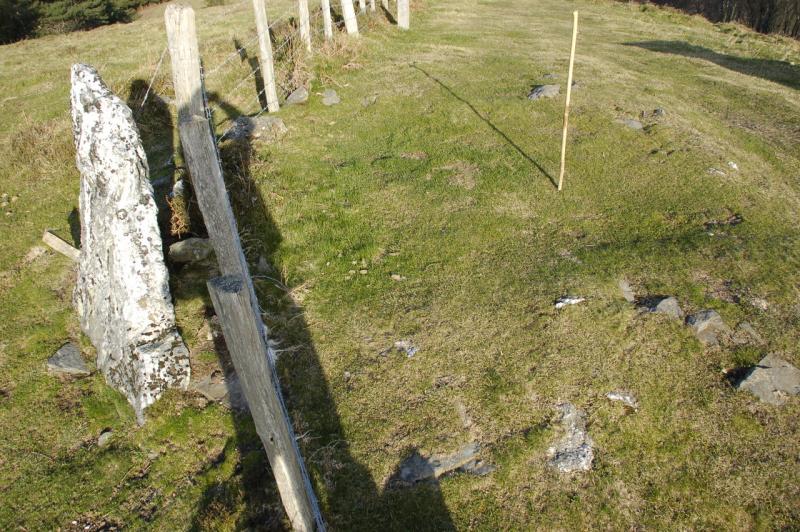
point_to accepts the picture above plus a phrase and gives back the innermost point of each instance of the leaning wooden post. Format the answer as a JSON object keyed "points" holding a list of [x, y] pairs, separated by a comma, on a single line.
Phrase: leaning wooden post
{"points": [[265, 56], [569, 93], [305, 23], [327, 20], [349, 15], [403, 14], [233, 296]]}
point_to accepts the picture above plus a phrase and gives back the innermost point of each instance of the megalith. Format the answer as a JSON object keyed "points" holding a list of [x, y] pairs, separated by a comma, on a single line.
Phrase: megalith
{"points": [[122, 293]]}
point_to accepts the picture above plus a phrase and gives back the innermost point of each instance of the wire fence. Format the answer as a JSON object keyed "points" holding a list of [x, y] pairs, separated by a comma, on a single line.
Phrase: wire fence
{"points": [[225, 85]]}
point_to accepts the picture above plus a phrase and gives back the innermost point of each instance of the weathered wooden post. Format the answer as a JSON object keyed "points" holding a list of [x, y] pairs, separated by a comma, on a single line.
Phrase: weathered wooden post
{"points": [[305, 23], [265, 55], [327, 20], [403, 14], [372, 5], [349, 15], [233, 295], [362, 6]]}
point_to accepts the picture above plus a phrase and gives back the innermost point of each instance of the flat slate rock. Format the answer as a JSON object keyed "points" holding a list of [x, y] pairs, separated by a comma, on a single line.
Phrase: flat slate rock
{"points": [[631, 123], [418, 468], [225, 390], [329, 97], [67, 361], [575, 450], [708, 326], [772, 380], [298, 96], [544, 91], [663, 305]]}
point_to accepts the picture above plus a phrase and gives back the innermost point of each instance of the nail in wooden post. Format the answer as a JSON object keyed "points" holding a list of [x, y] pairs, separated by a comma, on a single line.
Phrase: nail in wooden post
{"points": [[234, 297], [569, 93], [403, 14], [327, 20], [265, 55], [349, 15], [305, 23]]}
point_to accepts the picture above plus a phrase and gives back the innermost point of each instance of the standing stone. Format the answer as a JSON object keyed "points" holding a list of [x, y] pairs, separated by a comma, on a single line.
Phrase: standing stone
{"points": [[122, 292]]}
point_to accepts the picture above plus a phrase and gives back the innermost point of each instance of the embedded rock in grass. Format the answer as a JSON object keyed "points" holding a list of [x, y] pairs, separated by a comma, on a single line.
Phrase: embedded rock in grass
{"points": [[223, 389], [626, 398], [772, 380], [298, 96], [627, 291], [707, 326], [67, 361], [746, 334], [633, 124], [329, 97], [191, 251], [122, 292], [663, 305], [105, 438], [544, 91], [574, 452], [417, 468], [265, 128], [564, 301]]}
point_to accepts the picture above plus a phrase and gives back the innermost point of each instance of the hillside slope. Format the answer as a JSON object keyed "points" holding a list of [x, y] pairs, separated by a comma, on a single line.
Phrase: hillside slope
{"points": [[422, 208]]}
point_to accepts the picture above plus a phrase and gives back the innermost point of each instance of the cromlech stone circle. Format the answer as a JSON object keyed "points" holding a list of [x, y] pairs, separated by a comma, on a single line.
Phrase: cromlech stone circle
{"points": [[122, 293]]}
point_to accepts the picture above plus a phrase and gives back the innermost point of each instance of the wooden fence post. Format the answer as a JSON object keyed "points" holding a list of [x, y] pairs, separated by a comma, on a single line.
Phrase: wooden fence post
{"points": [[362, 6], [327, 20], [233, 296], [349, 15], [305, 23], [265, 55], [403, 14], [372, 5]]}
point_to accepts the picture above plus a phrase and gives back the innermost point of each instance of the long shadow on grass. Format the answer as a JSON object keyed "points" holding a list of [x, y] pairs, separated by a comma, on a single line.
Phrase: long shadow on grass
{"points": [[489, 123], [778, 71], [349, 497]]}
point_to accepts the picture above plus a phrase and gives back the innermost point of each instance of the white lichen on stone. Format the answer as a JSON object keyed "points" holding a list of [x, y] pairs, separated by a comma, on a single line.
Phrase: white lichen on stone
{"points": [[122, 292]]}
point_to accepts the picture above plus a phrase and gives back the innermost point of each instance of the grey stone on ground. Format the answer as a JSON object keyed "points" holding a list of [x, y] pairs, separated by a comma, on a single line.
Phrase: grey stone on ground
{"points": [[707, 325], [223, 389], [626, 398], [565, 301], [298, 96], [544, 91], [664, 305], [369, 100], [191, 251], [122, 291], [417, 468], [746, 334], [575, 450], [266, 128], [772, 380], [627, 291], [631, 123], [550, 76], [67, 361], [329, 97], [105, 438]]}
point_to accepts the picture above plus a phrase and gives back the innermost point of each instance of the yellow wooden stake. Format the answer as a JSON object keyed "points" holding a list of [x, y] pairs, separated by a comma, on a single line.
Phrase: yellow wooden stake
{"points": [[569, 93]]}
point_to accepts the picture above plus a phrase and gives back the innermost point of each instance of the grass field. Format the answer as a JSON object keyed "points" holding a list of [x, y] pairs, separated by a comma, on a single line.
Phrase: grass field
{"points": [[446, 183]]}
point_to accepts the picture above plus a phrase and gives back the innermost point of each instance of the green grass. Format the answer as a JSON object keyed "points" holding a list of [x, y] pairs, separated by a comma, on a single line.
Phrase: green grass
{"points": [[485, 244]]}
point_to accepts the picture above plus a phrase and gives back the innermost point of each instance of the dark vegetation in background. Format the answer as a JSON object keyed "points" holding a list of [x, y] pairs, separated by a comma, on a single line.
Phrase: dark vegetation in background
{"points": [[20, 19], [765, 16]]}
